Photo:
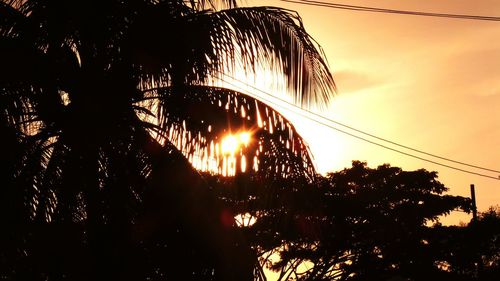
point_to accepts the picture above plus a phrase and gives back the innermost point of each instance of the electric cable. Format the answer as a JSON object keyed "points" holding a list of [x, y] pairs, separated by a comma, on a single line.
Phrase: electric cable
{"points": [[390, 11], [376, 137], [300, 111]]}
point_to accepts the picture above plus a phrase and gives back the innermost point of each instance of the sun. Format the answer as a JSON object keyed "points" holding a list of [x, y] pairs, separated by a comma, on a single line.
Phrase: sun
{"points": [[232, 153], [232, 143]]}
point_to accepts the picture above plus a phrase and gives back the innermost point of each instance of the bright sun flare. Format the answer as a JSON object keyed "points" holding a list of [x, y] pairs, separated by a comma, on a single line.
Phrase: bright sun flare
{"points": [[232, 143]]}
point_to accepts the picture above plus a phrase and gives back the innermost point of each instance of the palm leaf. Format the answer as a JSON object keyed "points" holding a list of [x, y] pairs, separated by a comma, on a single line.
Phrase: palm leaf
{"points": [[194, 47], [278, 37], [197, 118]]}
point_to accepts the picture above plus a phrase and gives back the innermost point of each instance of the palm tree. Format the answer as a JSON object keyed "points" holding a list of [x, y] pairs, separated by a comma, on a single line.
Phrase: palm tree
{"points": [[101, 105]]}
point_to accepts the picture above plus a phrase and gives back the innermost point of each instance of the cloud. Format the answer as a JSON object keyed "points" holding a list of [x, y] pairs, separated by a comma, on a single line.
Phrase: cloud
{"points": [[474, 70], [349, 81]]}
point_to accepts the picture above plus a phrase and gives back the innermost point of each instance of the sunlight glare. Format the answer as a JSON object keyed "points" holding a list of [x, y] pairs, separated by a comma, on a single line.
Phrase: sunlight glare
{"points": [[244, 138], [232, 143], [229, 145]]}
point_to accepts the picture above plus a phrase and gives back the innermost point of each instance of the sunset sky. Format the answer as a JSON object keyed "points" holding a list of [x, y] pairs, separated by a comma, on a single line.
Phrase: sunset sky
{"points": [[429, 83]]}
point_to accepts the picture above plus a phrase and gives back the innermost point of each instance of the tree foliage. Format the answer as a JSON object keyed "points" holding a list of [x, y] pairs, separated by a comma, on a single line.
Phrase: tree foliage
{"points": [[99, 116], [472, 251], [356, 224]]}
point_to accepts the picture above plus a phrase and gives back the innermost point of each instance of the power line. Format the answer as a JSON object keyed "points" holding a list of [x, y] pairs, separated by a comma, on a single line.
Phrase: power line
{"points": [[389, 11], [374, 136], [379, 138], [361, 138], [301, 111]]}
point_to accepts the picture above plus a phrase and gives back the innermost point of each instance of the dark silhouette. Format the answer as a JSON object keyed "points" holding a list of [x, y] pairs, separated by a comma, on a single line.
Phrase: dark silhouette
{"points": [[473, 250], [361, 224], [101, 102]]}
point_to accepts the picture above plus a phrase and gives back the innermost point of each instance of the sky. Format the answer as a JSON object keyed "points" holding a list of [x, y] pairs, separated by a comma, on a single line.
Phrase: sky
{"points": [[428, 83]]}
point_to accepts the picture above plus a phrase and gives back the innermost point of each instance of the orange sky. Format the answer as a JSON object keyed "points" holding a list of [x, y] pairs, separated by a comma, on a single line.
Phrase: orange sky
{"points": [[428, 83]]}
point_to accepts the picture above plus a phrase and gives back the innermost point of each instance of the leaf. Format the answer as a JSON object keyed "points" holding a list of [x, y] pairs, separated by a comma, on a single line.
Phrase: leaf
{"points": [[193, 47], [197, 118]]}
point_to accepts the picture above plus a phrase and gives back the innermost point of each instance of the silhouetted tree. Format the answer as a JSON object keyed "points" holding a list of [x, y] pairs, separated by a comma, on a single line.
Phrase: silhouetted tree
{"points": [[378, 224], [101, 102], [356, 224], [472, 250]]}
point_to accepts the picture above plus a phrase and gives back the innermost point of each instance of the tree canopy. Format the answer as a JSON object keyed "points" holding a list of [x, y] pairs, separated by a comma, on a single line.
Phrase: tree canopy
{"points": [[102, 106], [361, 223]]}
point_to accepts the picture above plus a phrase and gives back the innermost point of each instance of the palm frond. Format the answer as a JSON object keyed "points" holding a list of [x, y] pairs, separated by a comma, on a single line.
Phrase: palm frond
{"points": [[278, 37], [196, 119], [31, 83], [194, 47], [11, 17]]}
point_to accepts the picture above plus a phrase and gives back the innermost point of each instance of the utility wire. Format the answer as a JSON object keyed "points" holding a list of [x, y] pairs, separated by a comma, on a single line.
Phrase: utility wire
{"points": [[301, 111], [389, 11], [371, 135], [374, 136]]}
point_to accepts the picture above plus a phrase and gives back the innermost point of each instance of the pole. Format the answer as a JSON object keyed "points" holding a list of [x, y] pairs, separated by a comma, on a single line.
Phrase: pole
{"points": [[473, 198], [479, 262]]}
